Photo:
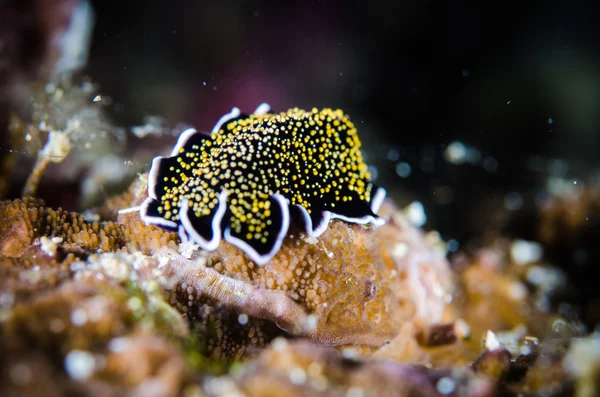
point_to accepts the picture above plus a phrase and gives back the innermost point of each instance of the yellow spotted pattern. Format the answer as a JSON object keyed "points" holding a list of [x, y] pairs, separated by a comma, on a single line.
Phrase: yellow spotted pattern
{"points": [[312, 158]]}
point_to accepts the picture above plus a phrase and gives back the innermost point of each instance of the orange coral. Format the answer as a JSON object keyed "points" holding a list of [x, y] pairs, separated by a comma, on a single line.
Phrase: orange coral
{"points": [[22, 221]]}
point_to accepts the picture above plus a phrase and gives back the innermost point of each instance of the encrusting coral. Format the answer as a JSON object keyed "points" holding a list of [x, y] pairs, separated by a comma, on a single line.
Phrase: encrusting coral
{"points": [[353, 285]]}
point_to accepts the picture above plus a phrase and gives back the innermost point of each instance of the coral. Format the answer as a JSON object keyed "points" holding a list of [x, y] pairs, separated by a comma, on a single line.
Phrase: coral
{"points": [[301, 368], [353, 285], [23, 221], [92, 329]]}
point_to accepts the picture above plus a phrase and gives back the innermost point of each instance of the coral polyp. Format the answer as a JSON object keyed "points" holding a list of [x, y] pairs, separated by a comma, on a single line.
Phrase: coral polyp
{"points": [[254, 175]]}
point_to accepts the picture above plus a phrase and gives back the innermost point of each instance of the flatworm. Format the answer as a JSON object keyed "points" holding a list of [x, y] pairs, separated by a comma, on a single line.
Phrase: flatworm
{"points": [[247, 180]]}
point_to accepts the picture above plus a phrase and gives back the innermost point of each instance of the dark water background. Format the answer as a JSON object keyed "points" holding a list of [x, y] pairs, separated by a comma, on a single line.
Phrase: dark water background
{"points": [[520, 81], [516, 84]]}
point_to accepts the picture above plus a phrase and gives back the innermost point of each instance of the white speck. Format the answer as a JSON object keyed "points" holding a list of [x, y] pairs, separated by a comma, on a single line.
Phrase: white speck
{"points": [[341, 74], [204, 83], [490, 164], [310, 323], [508, 102], [403, 169], [456, 153], [574, 182], [279, 344], [297, 376], [119, 345], [415, 214], [350, 353], [78, 317], [355, 391], [28, 137], [49, 246], [400, 250], [97, 98], [550, 120], [452, 245], [445, 385], [523, 252], [491, 342], [187, 249], [134, 303], [243, 319], [80, 365], [513, 201]]}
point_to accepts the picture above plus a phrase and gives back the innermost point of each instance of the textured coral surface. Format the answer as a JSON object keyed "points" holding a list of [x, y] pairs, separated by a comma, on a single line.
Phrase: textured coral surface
{"points": [[118, 306]]}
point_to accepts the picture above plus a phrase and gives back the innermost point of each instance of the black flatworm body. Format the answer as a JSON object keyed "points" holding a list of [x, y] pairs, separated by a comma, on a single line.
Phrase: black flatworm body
{"points": [[252, 175]]}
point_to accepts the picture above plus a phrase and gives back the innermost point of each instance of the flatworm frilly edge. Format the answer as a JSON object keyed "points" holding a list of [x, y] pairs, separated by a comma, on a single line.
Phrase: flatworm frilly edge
{"points": [[255, 174]]}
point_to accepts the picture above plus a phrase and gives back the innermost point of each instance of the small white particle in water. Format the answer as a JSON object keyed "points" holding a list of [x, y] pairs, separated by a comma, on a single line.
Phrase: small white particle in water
{"points": [[80, 364], [134, 303], [279, 344], [187, 249], [49, 246], [28, 137], [456, 153], [119, 345], [350, 353], [78, 317], [204, 83], [550, 120], [523, 252], [243, 319], [355, 391], [445, 385], [508, 102], [297, 376], [491, 342], [403, 169], [574, 182], [310, 323], [415, 214], [400, 250], [97, 98]]}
